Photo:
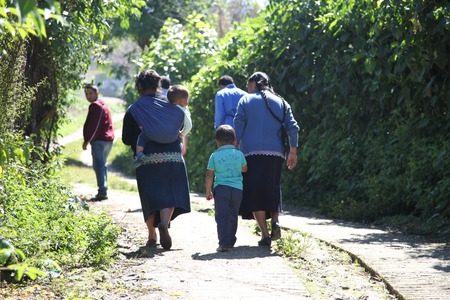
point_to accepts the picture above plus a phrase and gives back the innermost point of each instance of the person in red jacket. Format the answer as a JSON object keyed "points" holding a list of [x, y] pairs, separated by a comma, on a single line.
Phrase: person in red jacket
{"points": [[98, 131]]}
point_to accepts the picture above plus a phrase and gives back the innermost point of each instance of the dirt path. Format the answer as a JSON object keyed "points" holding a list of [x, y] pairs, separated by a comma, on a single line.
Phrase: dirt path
{"points": [[192, 269]]}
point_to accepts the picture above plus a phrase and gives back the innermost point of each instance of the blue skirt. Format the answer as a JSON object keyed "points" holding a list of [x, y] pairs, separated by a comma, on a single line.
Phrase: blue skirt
{"points": [[262, 185], [162, 180]]}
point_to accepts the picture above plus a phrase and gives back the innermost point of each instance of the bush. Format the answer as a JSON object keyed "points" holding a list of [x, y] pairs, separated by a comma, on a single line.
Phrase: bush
{"points": [[40, 216], [368, 84]]}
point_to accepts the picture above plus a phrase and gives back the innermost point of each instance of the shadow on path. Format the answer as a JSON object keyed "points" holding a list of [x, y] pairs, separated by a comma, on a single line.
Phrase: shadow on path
{"points": [[240, 252]]}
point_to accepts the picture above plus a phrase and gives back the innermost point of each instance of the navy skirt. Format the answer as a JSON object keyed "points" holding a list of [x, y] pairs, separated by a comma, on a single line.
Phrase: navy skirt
{"points": [[162, 180], [262, 185]]}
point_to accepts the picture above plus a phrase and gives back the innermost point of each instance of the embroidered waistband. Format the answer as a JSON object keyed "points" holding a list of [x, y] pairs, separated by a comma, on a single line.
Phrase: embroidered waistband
{"points": [[164, 157], [268, 153]]}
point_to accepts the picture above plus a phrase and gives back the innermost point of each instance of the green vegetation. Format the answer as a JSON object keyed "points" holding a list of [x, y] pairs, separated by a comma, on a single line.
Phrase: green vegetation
{"points": [[23, 18], [75, 171], [77, 112], [368, 83], [54, 66], [42, 219], [47, 229], [293, 244]]}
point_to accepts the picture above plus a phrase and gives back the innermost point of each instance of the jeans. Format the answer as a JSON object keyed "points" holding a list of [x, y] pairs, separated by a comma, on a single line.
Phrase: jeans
{"points": [[226, 204], [100, 151]]}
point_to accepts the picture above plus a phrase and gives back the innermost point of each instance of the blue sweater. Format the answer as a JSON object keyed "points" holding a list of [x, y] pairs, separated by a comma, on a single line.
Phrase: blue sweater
{"points": [[256, 128], [226, 101]]}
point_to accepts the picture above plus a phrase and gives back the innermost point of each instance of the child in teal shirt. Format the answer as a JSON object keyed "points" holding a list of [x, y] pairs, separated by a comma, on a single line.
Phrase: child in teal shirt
{"points": [[225, 166]]}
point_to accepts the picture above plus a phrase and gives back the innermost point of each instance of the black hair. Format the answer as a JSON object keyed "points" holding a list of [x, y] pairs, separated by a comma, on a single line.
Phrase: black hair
{"points": [[262, 81], [92, 87], [177, 92], [225, 80], [225, 134], [147, 79], [165, 82]]}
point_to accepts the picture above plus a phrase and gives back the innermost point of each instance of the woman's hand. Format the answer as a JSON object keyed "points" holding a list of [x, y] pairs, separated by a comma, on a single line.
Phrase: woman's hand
{"points": [[291, 160]]}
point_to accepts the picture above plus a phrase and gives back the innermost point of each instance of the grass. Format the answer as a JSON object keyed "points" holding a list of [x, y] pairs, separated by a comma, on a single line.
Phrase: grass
{"points": [[76, 171], [293, 244], [78, 112]]}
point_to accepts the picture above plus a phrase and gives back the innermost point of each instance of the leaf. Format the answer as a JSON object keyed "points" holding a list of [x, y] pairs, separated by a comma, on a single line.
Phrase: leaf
{"points": [[369, 65], [34, 273], [332, 24], [23, 34], [3, 156], [20, 270], [20, 255], [26, 7], [5, 254], [9, 27], [3, 11], [39, 23], [19, 153]]}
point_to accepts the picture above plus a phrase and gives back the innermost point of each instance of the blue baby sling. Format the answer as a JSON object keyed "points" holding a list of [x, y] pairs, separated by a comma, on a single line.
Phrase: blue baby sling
{"points": [[160, 121]]}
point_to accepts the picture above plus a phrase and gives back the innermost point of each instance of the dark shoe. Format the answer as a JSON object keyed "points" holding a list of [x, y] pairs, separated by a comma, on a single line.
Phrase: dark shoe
{"points": [[165, 239], [265, 241], [99, 198], [222, 248], [276, 232], [151, 243]]}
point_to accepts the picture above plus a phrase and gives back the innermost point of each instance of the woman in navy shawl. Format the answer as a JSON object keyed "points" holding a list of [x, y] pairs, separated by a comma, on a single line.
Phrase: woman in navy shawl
{"points": [[161, 179]]}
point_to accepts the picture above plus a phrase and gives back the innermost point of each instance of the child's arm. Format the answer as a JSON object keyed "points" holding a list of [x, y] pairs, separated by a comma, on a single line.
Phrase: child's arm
{"points": [[187, 123], [208, 182], [184, 149]]}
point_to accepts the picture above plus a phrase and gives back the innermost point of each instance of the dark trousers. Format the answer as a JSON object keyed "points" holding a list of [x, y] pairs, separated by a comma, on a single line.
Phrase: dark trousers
{"points": [[227, 201]]}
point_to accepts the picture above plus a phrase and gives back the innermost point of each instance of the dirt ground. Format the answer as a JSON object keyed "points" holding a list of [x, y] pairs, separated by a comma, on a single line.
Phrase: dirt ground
{"points": [[193, 269]]}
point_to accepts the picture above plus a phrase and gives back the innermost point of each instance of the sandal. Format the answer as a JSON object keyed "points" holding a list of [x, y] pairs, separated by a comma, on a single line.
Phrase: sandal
{"points": [[276, 231], [151, 243], [265, 241], [165, 239]]}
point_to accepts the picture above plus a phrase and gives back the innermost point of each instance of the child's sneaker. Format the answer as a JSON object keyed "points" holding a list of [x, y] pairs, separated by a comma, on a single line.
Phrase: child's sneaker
{"points": [[138, 160], [222, 248]]}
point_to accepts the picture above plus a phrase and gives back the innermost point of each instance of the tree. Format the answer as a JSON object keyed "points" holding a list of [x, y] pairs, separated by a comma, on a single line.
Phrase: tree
{"points": [[180, 51], [145, 27], [24, 18], [54, 64], [233, 12]]}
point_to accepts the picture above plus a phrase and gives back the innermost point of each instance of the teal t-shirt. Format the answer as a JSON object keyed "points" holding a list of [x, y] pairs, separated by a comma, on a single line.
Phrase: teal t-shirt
{"points": [[227, 163]]}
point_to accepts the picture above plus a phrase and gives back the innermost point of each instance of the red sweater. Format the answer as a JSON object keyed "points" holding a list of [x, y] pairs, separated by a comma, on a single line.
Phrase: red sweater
{"points": [[98, 125]]}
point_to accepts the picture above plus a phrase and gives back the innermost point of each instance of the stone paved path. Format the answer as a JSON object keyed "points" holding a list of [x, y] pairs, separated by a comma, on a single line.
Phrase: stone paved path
{"points": [[412, 266]]}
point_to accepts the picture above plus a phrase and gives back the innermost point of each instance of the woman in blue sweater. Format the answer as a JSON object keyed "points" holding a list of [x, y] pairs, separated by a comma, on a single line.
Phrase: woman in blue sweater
{"points": [[258, 123]]}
